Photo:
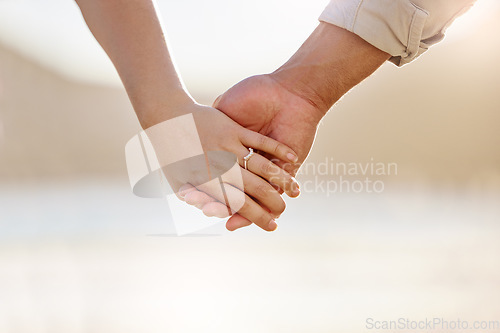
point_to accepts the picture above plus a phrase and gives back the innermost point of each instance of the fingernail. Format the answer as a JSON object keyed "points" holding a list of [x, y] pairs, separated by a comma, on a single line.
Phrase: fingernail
{"points": [[292, 157], [216, 101], [272, 225]]}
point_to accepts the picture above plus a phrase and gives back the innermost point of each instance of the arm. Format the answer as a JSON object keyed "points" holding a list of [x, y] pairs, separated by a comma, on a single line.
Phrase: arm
{"points": [[131, 34], [329, 63], [289, 103], [354, 38]]}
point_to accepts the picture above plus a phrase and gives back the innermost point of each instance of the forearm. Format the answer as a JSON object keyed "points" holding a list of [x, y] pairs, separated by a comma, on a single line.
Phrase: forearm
{"points": [[329, 63], [131, 34]]}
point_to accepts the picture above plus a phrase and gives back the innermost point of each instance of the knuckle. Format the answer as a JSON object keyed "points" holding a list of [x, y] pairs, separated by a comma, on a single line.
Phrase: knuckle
{"points": [[276, 149], [264, 219], [245, 207], [266, 168], [283, 176], [263, 141], [262, 191], [280, 178]]}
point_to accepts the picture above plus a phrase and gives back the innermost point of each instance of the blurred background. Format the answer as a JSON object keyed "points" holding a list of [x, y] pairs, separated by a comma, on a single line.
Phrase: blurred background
{"points": [[80, 253]]}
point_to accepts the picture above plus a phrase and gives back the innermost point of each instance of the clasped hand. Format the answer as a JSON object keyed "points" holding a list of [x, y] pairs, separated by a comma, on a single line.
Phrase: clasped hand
{"points": [[252, 194], [261, 105]]}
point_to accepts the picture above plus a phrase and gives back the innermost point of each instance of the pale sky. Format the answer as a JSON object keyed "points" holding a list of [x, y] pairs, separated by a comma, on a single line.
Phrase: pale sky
{"points": [[214, 43]]}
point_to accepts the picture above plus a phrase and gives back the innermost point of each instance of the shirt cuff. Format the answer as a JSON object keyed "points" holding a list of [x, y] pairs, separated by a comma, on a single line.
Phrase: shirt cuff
{"points": [[405, 29]]}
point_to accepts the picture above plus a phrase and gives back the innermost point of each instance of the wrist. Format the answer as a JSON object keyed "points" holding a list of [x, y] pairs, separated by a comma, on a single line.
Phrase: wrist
{"points": [[329, 63], [301, 81], [157, 110], [314, 72]]}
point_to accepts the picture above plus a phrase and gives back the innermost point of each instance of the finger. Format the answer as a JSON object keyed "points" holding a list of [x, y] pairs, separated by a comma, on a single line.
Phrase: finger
{"points": [[231, 192], [184, 190], [292, 169], [255, 187], [211, 207], [264, 193], [249, 210], [198, 199], [216, 209], [236, 222], [207, 204], [252, 211], [215, 189], [275, 175], [268, 145]]}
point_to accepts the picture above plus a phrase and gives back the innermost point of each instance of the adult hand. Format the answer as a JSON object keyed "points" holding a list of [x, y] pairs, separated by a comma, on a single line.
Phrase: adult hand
{"points": [[261, 104], [247, 192], [288, 104]]}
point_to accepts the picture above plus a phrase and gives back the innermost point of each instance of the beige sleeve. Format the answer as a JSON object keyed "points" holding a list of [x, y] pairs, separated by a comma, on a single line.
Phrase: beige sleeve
{"points": [[403, 28]]}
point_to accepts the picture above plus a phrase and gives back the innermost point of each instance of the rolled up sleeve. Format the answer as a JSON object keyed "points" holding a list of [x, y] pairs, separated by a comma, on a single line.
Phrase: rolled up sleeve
{"points": [[403, 28]]}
